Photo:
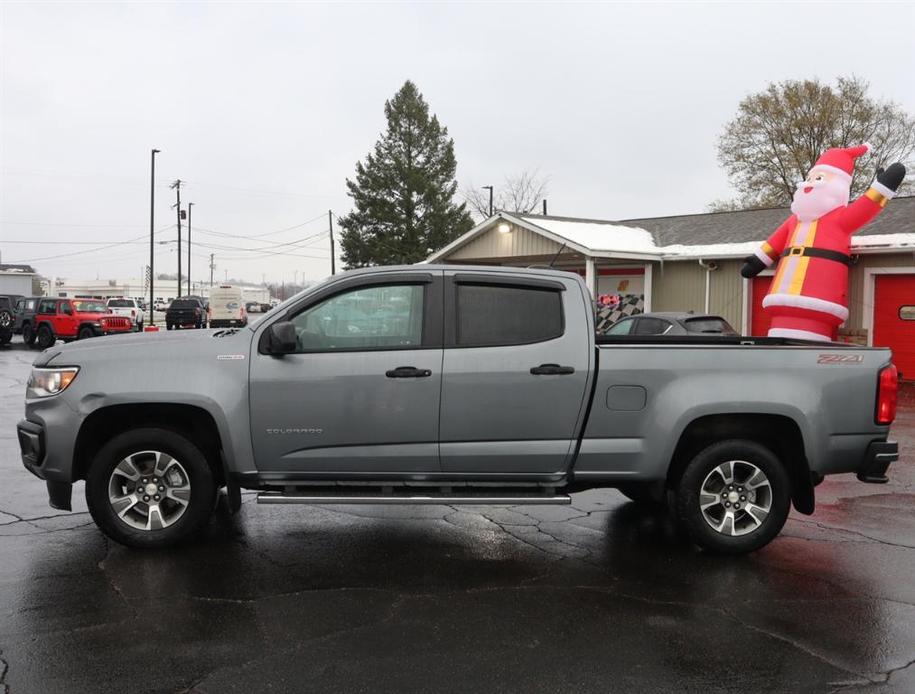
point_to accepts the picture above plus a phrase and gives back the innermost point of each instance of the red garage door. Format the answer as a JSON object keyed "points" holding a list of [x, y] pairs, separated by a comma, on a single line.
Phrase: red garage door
{"points": [[894, 319], [759, 320]]}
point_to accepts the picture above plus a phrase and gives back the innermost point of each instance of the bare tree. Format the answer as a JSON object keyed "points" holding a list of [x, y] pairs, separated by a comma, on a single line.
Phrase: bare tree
{"points": [[778, 134], [521, 193]]}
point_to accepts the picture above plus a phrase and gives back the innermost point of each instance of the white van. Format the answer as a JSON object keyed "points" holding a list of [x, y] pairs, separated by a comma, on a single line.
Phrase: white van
{"points": [[227, 307]]}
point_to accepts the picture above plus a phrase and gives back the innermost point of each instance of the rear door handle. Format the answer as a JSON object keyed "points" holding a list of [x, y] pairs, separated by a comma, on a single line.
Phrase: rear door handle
{"points": [[552, 370], [408, 372]]}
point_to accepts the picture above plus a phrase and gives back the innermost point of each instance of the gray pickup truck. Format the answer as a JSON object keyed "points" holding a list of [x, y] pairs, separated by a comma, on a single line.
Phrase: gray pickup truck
{"points": [[453, 385]]}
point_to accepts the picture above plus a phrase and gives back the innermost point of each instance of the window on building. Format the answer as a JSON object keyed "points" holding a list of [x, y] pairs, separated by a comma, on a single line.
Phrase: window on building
{"points": [[492, 315]]}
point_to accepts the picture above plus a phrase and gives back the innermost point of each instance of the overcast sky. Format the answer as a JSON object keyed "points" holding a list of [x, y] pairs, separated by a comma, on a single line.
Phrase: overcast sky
{"points": [[264, 110]]}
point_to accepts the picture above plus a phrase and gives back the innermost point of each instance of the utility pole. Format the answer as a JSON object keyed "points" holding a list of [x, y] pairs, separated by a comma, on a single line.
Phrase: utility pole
{"points": [[212, 267], [489, 188], [177, 186], [330, 221], [189, 206], [152, 243]]}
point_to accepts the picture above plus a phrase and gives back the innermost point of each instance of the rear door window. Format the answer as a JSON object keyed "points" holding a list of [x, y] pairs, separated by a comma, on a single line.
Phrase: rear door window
{"points": [[48, 307], [498, 315], [652, 326]]}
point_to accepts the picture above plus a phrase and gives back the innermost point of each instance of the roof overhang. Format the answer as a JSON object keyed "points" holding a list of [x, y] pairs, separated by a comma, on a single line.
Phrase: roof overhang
{"points": [[487, 224]]}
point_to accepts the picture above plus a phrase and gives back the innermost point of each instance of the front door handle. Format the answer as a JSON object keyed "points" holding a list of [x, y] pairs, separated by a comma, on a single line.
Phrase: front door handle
{"points": [[552, 370], [408, 372]]}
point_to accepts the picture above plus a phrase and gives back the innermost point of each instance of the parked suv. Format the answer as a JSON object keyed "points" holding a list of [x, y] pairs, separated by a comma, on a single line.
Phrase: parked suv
{"points": [[186, 312], [24, 318], [7, 317], [74, 319], [129, 309]]}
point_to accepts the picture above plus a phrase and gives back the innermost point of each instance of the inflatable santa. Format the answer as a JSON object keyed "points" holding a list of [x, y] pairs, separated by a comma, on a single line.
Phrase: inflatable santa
{"points": [[807, 298]]}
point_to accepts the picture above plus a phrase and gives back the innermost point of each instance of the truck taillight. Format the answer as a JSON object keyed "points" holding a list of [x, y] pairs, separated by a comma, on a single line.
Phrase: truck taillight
{"points": [[887, 392]]}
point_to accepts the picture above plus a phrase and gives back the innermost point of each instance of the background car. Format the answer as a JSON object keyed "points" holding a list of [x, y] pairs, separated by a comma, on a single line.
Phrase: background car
{"points": [[227, 308], [24, 318], [129, 309], [7, 317], [188, 311], [671, 324], [74, 319]]}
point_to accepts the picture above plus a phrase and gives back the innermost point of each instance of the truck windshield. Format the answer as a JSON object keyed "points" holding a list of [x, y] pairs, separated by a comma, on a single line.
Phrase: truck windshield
{"points": [[90, 307]]}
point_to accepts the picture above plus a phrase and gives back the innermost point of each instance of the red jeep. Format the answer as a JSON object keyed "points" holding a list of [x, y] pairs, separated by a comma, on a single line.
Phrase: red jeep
{"points": [[75, 319]]}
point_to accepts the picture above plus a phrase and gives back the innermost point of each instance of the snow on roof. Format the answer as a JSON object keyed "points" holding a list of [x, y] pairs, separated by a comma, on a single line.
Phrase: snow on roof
{"points": [[598, 236], [608, 237]]}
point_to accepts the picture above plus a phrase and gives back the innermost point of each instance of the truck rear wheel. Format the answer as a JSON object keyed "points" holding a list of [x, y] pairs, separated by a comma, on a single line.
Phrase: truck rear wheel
{"points": [[28, 334], [150, 488], [734, 497], [45, 336]]}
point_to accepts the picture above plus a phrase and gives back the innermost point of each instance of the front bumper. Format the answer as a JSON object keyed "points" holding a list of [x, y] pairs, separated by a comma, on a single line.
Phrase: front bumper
{"points": [[878, 458], [33, 451]]}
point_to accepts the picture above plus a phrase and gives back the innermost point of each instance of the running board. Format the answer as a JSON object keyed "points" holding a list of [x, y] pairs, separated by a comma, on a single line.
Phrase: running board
{"points": [[467, 500]]}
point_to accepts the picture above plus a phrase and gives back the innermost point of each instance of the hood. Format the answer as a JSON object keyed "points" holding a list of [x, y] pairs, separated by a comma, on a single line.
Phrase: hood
{"points": [[152, 346]]}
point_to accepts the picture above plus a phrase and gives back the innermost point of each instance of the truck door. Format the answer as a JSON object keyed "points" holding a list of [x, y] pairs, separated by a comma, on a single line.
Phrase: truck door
{"points": [[516, 368], [361, 394], [66, 323]]}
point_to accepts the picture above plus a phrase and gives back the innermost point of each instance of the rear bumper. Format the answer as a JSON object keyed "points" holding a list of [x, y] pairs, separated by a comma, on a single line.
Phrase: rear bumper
{"points": [[878, 458]]}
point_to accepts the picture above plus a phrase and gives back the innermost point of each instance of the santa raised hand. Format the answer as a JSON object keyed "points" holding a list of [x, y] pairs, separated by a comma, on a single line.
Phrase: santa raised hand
{"points": [[808, 295]]}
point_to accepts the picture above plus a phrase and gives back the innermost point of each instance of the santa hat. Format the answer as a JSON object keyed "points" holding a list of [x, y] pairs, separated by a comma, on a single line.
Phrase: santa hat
{"points": [[841, 160]]}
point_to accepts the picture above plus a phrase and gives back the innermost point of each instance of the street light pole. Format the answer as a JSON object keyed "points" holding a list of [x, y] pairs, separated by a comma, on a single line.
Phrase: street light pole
{"points": [[189, 206], [177, 186], [330, 222], [489, 188], [152, 224]]}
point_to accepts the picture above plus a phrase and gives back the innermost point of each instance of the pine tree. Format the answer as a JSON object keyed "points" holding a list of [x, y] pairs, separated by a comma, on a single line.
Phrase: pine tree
{"points": [[404, 191]]}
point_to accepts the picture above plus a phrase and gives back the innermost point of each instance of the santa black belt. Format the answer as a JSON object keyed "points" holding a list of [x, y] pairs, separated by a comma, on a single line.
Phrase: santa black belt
{"points": [[824, 253]]}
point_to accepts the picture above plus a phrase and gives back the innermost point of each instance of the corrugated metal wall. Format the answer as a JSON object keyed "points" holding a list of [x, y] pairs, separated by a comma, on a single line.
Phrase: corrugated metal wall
{"points": [[678, 286], [726, 292], [494, 244]]}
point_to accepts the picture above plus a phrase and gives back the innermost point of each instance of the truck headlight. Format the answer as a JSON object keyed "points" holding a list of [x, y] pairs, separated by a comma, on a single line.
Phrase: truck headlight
{"points": [[45, 382]]}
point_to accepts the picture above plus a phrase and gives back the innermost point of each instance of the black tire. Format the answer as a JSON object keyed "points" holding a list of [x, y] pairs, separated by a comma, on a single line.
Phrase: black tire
{"points": [[644, 494], [85, 333], [45, 337], [28, 335], [746, 453], [6, 336], [140, 327], [6, 319], [202, 485], [169, 326]]}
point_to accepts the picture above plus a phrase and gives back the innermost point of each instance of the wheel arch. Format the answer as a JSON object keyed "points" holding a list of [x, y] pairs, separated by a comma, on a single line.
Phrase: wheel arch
{"points": [[103, 424], [779, 433]]}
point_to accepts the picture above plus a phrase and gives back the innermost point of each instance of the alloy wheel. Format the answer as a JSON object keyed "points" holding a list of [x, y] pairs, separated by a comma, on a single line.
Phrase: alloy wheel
{"points": [[149, 490], [735, 498]]}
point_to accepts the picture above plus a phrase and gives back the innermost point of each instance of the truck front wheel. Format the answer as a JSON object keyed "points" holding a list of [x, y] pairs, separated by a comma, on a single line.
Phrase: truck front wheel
{"points": [[734, 497], [28, 334], [150, 488], [45, 336]]}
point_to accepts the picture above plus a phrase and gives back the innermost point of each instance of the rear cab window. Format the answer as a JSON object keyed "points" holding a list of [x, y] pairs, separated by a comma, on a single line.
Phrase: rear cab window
{"points": [[491, 315]]}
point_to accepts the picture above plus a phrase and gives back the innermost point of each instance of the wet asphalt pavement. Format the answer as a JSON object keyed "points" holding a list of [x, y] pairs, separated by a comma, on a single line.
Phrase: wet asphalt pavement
{"points": [[600, 596]]}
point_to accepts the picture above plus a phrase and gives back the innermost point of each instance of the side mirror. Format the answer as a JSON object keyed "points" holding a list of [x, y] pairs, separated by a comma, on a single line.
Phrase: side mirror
{"points": [[281, 338]]}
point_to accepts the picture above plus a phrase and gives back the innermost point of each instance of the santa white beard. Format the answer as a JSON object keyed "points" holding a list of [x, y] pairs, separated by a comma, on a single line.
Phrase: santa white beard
{"points": [[824, 197]]}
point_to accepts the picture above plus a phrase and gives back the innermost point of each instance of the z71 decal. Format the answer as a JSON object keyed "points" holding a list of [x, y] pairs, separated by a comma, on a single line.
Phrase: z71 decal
{"points": [[840, 359]]}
